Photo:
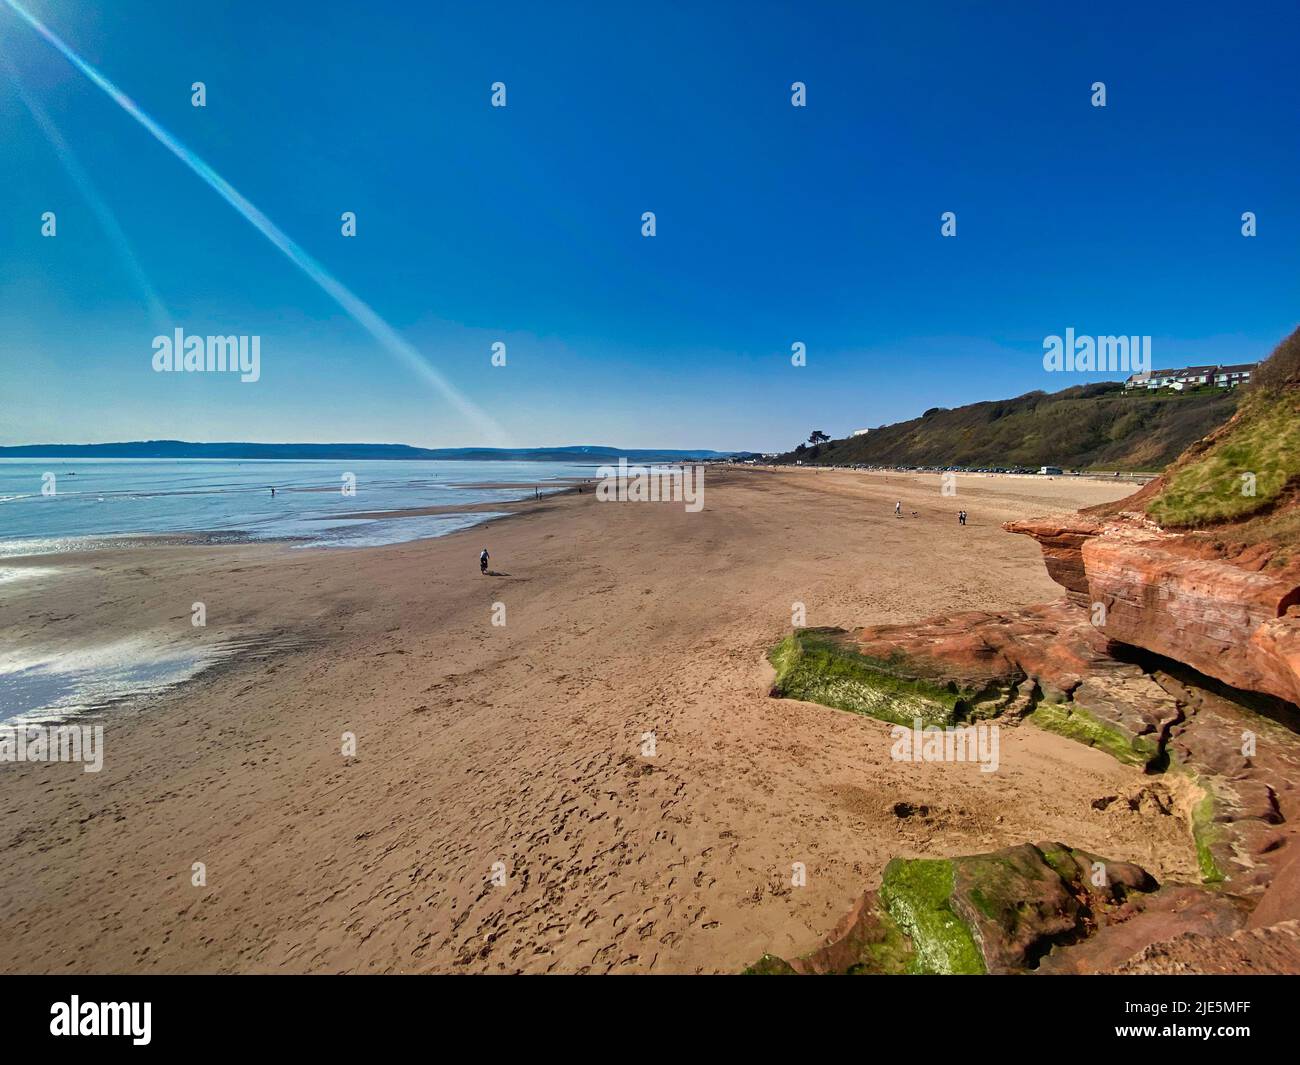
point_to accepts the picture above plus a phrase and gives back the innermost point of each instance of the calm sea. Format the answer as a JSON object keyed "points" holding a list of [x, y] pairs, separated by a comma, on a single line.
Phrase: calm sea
{"points": [[93, 499]]}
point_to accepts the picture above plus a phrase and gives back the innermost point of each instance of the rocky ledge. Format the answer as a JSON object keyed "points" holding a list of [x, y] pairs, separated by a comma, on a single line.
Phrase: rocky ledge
{"points": [[1234, 754], [1155, 589], [995, 913]]}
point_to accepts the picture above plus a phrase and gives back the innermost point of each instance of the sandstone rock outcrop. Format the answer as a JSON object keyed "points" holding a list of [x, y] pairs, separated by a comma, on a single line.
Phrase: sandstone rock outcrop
{"points": [[1148, 590], [983, 913], [1248, 952], [1045, 663], [1049, 666]]}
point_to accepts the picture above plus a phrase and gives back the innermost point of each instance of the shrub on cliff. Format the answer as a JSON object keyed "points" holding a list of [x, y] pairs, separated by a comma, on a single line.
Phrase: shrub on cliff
{"points": [[1247, 466], [1281, 370]]}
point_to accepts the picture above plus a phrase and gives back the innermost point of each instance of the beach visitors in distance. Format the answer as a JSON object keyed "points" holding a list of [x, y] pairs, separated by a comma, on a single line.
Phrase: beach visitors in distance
{"points": [[483, 561], [961, 517], [898, 509]]}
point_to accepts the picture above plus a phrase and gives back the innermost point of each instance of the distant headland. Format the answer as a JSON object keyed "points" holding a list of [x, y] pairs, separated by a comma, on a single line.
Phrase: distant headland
{"points": [[184, 449]]}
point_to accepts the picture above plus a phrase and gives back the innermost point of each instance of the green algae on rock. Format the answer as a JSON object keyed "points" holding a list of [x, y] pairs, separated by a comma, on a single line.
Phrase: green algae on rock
{"points": [[820, 666], [999, 912], [1074, 722], [1208, 834], [916, 894]]}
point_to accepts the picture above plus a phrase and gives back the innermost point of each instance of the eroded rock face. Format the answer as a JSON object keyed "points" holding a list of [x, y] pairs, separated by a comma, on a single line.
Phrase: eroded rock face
{"points": [[1174, 910], [1062, 541], [1021, 901], [1274, 655], [1259, 951], [984, 913], [978, 649], [1236, 624], [1246, 827]]}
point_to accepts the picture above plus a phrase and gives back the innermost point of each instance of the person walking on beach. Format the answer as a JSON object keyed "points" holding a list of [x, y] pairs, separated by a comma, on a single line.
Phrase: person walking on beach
{"points": [[898, 509], [483, 561]]}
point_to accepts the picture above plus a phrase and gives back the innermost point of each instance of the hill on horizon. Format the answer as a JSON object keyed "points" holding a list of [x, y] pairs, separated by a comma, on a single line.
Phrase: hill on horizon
{"points": [[1095, 426], [184, 449]]}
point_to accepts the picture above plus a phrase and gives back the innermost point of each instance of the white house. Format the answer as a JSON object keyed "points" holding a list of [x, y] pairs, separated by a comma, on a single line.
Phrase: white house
{"points": [[861, 432], [1191, 376], [1150, 379]]}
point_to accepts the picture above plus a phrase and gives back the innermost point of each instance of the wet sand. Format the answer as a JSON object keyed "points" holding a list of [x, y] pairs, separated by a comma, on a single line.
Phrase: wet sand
{"points": [[522, 744]]}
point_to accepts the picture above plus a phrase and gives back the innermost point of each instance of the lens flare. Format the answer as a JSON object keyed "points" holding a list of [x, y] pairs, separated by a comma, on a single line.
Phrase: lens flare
{"points": [[360, 311], [107, 219]]}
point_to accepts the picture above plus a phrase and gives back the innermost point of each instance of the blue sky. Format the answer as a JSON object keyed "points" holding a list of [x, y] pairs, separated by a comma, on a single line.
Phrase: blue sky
{"points": [[523, 224]]}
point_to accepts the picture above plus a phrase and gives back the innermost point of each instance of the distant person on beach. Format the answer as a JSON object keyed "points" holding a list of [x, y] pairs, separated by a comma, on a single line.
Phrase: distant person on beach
{"points": [[961, 517], [483, 561], [898, 509], [272, 493]]}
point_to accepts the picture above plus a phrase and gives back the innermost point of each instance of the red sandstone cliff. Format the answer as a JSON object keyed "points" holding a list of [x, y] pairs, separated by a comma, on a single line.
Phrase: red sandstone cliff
{"points": [[1150, 589]]}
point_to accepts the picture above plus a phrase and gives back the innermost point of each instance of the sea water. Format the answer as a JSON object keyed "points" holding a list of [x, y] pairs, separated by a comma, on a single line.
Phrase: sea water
{"points": [[52, 505]]}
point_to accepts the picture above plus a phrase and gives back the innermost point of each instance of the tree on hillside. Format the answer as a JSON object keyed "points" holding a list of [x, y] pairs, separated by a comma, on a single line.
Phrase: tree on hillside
{"points": [[818, 437], [1282, 368]]}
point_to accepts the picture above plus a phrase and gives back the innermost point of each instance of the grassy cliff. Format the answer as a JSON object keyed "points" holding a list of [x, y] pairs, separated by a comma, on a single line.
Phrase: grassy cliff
{"points": [[1086, 427], [1249, 465]]}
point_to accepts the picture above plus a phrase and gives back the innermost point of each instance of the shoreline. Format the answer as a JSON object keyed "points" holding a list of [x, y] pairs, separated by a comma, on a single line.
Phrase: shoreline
{"points": [[64, 545], [496, 511], [202, 663], [520, 744]]}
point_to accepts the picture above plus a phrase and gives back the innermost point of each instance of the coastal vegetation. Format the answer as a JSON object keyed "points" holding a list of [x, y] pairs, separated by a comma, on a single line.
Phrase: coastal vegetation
{"points": [[1097, 426], [1247, 466]]}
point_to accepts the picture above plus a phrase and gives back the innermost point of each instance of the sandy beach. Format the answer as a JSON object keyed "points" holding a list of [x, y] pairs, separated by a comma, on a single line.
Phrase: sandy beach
{"points": [[522, 743]]}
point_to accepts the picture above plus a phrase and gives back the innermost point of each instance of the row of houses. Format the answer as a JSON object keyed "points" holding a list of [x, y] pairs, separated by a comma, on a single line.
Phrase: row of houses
{"points": [[1192, 376]]}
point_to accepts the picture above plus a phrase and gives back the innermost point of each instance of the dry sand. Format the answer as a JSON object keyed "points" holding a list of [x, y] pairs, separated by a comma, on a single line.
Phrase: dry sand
{"points": [[521, 744]]}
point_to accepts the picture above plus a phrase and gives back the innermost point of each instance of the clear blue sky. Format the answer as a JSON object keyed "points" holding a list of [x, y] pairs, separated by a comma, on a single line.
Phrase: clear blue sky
{"points": [[775, 224]]}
